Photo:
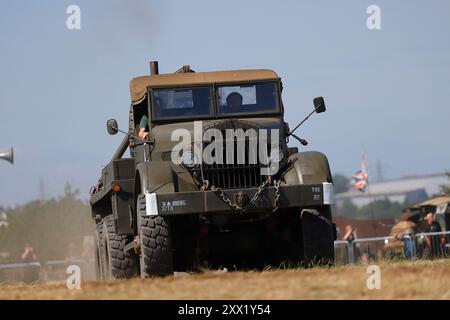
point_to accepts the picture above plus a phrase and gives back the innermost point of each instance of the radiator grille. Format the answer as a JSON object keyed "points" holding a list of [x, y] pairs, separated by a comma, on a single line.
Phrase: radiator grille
{"points": [[233, 175]]}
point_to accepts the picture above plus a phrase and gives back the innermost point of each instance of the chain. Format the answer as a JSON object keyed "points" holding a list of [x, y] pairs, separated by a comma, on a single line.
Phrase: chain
{"points": [[258, 192], [219, 192], [276, 183], [276, 203], [225, 199]]}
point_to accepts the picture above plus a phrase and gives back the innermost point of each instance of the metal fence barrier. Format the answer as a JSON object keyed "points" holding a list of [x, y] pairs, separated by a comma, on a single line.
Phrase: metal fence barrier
{"points": [[371, 249], [54, 270], [432, 244], [419, 246], [20, 272], [342, 254]]}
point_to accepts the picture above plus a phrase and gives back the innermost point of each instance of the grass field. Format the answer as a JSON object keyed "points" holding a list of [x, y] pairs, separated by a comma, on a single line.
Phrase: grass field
{"points": [[399, 280]]}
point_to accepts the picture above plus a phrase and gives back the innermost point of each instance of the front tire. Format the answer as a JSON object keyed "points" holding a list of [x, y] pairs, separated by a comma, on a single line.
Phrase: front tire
{"points": [[318, 236], [156, 258]]}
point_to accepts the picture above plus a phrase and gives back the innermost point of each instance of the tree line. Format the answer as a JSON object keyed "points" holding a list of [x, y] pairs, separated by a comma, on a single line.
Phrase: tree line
{"points": [[56, 228]]}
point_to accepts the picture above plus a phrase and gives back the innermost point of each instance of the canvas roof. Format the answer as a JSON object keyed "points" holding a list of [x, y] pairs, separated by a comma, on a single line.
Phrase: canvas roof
{"points": [[434, 202], [139, 85]]}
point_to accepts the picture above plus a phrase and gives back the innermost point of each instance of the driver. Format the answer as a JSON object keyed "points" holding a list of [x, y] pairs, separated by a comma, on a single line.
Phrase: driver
{"points": [[234, 102], [143, 132]]}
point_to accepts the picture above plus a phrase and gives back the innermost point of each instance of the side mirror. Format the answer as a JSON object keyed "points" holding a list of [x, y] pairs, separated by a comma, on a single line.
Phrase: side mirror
{"points": [[111, 126], [319, 104]]}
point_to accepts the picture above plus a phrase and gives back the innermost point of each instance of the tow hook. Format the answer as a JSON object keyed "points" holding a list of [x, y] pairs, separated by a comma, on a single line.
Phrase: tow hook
{"points": [[133, 245], [240, 199]]}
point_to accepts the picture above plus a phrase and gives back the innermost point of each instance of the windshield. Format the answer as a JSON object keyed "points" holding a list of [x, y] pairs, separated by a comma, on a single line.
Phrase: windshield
{"points": [[175, 103], [248, 98]]}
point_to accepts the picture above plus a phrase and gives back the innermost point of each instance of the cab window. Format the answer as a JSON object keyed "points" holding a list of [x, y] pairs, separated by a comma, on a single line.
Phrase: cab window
{"points": [[182, 103], [248, 98]]}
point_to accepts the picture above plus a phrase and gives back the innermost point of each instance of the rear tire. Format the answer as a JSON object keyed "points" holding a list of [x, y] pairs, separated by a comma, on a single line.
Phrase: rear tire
{"points": [[156, 258], [117, 264], [98, 251]]}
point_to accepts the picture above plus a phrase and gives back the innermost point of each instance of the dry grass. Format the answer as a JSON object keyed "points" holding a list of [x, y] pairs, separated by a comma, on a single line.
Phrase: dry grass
{"points": [[399, 280]]}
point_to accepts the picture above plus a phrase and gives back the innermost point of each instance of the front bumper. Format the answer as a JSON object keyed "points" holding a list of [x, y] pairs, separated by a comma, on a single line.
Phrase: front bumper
{"points": [[201, 202]]}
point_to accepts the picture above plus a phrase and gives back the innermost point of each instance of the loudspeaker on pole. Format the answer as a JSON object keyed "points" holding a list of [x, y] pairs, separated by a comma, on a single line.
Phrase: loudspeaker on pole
{"points": [[8, 155]]}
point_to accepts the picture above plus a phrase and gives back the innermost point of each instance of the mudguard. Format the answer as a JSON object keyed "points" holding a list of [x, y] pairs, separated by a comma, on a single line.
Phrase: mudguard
{"points": [[163, 177], [155, 176], [308, 168]]}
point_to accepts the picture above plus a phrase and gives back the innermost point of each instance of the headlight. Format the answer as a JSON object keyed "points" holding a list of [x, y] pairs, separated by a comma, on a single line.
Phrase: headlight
{"points": [[189, 159]]}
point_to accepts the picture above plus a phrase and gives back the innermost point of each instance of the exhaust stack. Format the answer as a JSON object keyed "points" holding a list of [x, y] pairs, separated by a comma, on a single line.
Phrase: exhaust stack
{"points": [[154, 68]]}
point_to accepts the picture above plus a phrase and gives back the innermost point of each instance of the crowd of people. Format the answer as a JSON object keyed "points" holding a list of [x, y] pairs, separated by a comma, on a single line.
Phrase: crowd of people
{"points": [[415, 240], [37, 270]]}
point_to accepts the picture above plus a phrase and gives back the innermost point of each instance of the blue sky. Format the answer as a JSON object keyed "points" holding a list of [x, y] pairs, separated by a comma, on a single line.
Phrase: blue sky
{"points": [[386, 90]]}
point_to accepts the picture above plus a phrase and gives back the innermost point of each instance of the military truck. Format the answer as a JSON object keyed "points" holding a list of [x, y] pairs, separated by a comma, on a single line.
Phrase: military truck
{"points": [[155, 216]]}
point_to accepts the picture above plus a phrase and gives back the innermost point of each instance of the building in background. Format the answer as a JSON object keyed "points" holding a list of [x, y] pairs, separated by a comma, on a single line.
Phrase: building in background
{"points": [[408, 190]]}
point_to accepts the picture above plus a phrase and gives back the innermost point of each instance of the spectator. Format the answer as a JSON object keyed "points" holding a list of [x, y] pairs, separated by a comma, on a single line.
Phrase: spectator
{"points": [[28, 254], [31, 270], [407, 245], [350, 234], [405, 233], [432, 242]]}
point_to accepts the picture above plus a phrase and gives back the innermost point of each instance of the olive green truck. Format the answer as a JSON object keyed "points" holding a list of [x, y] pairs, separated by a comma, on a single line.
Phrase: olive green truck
{"points": [[165, 208]]}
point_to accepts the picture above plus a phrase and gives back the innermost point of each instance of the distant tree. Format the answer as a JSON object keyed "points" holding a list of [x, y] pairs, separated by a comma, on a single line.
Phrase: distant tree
{"points": [[70, 192], [379, 209], [348, 209], [341, 183], [50, 226]]}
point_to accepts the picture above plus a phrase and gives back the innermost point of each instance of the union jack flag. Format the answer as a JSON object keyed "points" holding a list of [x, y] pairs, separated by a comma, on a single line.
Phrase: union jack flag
{"points": [[359, 179]]}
